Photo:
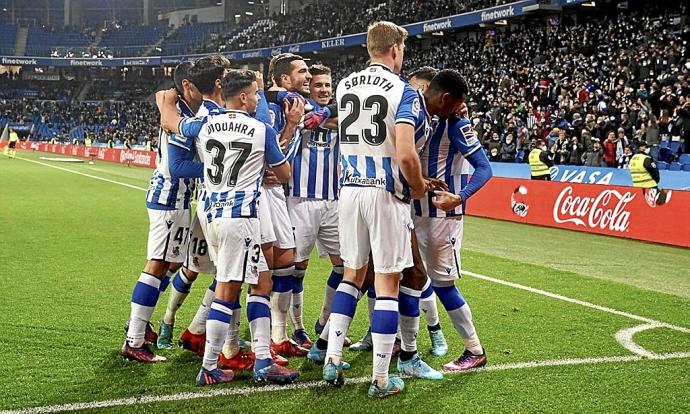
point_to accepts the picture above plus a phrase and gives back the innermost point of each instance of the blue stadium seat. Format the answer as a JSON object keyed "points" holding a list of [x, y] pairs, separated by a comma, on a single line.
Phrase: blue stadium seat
{"points": [[674, 146], [675, 166], [684, 159], [686, 167], [662, 165], [663, 144]]}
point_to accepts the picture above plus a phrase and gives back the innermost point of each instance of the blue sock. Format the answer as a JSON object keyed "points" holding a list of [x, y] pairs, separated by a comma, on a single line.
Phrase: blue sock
{"points": [[409, 318], [259, 316], [144, 298], [165, 281], [217, 326], [450, 297], [384, 326], [344, 307]]}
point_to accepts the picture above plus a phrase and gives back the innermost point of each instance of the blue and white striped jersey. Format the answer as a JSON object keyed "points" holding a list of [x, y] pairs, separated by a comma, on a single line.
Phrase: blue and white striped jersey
{"points": [[444, 158], [315, 165], [370, 104], [164, 193], [233, 147]]}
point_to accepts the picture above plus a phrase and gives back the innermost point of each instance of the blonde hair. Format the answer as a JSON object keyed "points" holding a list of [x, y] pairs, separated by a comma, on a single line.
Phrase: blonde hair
{"points": [[381, 36]]}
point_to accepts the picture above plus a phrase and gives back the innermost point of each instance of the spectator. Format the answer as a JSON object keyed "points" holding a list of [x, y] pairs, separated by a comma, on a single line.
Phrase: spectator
{"points": [[610, 149], [624, 160], [594, 157], [508, 149]]}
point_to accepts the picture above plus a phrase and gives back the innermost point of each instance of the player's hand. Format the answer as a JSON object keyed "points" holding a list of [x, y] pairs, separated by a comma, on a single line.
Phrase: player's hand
{"points": [[270, 178], [433, 184], [446, 201], [417, 193], [462, 110], [259, 79], [294, 111], [314, 119]]}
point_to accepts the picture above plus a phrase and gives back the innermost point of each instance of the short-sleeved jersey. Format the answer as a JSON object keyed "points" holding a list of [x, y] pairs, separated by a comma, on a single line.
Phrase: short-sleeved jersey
{"points": [[444, 158], [164, 193], [370, 104], [233, 147], [315, 165]]}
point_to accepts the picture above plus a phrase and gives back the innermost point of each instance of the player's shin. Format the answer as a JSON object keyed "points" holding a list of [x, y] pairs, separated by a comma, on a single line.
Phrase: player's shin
{"points": [[259, 316], [181, 285], [232, 346], [384, 326], [144, 299], [460, 315], [281, 297], [198, 324], [427, 304], [297, 299], [409, 321], [344, 306], [216, 329], [331, 285]]}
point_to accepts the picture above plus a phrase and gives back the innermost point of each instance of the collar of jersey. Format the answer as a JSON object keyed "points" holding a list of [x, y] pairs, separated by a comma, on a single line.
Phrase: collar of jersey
{"points": [[214, 104], [236, 111], [381, 65], [184, 107]]}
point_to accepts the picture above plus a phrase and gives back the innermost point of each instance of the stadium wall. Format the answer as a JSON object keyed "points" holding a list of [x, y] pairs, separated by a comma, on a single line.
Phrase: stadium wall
{"points": [[117, 155], [611, 210]]}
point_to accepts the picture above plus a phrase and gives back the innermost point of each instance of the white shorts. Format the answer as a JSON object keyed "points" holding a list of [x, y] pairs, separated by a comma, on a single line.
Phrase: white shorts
{"points": [[282, 226], [265, 222], [168, 234], [198, 254], [372, 219], [439, 245], [236, 243], [316, 223]]}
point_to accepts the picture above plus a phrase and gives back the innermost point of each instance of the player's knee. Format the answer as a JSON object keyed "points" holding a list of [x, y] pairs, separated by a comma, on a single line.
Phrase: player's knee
{"points": [[157, 268], [189, 274]]}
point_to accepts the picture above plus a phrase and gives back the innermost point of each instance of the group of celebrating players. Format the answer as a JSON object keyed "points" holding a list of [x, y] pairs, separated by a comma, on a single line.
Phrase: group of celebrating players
{"points": [[376, 179]]}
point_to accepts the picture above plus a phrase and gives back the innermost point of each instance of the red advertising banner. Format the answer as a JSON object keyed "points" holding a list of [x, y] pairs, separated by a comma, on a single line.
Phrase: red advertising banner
{"points": [[612, 210], [121, 156]]}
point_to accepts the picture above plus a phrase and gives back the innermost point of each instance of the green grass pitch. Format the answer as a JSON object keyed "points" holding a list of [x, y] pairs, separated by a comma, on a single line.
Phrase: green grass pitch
{"points": [[548, 305]]}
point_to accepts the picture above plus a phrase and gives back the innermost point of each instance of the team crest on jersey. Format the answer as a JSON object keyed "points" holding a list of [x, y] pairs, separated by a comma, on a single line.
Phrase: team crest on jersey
{"points": [[232, 116], [416, 107], [273, 117]]}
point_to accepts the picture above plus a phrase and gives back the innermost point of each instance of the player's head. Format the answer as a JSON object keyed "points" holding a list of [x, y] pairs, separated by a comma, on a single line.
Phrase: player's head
{"points": [[447, 91], [292, 73], [421, 78], [240, 90], [184, 85], [320, 86], [272, 67], [386, 44], [208, 72]]}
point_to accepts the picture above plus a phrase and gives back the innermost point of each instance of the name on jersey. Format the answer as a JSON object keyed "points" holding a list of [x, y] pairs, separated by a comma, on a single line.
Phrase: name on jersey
{"points": [[382, 83], [230, 126]]}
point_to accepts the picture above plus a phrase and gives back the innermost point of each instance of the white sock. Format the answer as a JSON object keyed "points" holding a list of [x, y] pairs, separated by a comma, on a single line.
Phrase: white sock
{"points": [[383, 328], [198, 324], [216, 329], [326, 330], [462, 320], [258, 313], [144, 298], [178, 293], [280, 303], [297, 298], [232, 345], [427, 304], [344, 306], [371, 302]]}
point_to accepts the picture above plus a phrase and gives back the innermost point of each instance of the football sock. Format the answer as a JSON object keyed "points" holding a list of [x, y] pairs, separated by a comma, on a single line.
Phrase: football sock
{"points": [[259, 316], [344, 306], [371, 301], [460, 315], [180, 289], [216, 329], [331, 285], [280, 302], [232, 345], [409, 318], [297, 298], [144, 298], [384, 325], [198, 324], [326, 331], [166, 280], [427, 304]]}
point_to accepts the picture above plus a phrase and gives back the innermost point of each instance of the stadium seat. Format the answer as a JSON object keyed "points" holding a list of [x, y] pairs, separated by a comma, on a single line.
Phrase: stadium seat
{"points": [[675, 166], [663, 144], [674, 146], [686, 167], [684, 159], [662, 165]]}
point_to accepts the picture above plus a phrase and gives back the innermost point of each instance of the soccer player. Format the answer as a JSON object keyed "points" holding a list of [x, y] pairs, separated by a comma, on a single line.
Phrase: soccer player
{"points": [[234, 147], [291, 73], [421, 78], [438, 221], [168, 203], [12, 145], [313, 206], [377, 114]]}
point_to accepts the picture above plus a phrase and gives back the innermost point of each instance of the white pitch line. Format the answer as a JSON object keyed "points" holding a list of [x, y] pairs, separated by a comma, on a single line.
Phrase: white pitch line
{"points": [[625, 338], [577, 301], [95, 177], [227, 392]]}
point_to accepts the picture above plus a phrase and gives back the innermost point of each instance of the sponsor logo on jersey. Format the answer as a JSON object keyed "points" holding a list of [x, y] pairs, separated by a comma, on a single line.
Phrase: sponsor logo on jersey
{"points": [[348, 178], [416, 107]]}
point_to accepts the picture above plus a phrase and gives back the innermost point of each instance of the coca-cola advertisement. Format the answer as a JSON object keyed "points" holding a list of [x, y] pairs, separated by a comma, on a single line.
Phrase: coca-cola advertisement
{"points": [[612, 210]]}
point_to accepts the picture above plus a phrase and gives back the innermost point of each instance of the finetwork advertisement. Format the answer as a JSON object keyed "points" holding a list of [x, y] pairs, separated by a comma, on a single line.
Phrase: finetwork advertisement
{"points": [[626, 212]]}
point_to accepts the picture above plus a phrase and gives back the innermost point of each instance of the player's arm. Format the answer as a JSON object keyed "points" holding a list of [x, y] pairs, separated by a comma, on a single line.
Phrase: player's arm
{"points": [[275, 158], [170, 117], [180, 165], [466, 142], [263, 114], [406, 120]]}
